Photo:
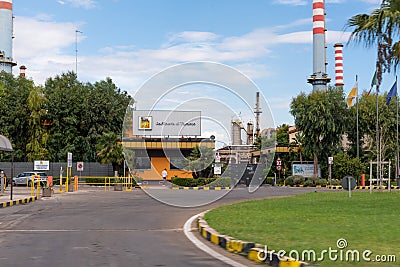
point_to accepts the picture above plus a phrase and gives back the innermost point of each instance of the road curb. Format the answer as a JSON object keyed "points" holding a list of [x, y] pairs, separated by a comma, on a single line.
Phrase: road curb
{"points": [[339, 187], [217, 188], [17, 202], [252, 251]]}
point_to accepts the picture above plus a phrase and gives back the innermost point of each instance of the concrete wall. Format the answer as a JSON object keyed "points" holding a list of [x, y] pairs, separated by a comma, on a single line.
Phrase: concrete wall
{"points": [[89, 168]]}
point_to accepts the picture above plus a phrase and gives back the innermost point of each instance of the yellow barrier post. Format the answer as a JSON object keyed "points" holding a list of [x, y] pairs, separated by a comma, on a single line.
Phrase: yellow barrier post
{"points": [[61, 180], [66, 180], [129, 184], [32, 184]]}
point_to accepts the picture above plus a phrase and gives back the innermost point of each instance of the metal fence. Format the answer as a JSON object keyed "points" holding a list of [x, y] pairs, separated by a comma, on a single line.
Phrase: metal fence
{"points": [[89, 168]]}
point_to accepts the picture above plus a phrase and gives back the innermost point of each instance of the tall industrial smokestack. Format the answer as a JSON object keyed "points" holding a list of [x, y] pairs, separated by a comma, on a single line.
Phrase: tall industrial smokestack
{"points": [[257, 111], [6, 35], [339, 65], [319, 79]]}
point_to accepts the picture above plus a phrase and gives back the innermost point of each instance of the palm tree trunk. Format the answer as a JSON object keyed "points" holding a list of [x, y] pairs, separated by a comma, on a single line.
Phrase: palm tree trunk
{"points": [[315, 164]]}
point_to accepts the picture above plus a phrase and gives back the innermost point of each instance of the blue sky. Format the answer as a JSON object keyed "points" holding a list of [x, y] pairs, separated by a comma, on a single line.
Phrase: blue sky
{"points": [[270, 41]]}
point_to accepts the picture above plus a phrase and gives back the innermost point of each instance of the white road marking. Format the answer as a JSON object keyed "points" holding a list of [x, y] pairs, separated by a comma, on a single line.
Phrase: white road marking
{"points": [[187, 230]]}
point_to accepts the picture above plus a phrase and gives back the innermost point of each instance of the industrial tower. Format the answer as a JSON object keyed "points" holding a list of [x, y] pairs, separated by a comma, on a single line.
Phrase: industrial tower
{"points": [[339, 65], [319, 79], [6, 36]]}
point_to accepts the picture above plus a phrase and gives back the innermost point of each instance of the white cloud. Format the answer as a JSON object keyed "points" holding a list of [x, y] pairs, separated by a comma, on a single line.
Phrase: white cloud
{"points": [[374, 2], [292, 2], [335, 1], [191, 36], [79, 3], [46, 48]]}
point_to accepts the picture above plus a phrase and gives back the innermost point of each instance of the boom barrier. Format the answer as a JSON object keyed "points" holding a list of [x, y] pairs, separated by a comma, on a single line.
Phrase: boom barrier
{"points": [[118, 183]]}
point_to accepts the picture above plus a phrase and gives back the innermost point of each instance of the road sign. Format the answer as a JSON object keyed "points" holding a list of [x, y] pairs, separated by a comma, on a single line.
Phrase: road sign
{"points": [[218, 169], [348, 183], [69, 163], [217, 158], [278, 162], [278, 167], [79, 166], [330, 160]]}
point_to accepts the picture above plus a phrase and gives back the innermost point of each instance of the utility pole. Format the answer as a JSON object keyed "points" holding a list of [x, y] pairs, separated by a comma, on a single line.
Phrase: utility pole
{"points": [[76, 52]]}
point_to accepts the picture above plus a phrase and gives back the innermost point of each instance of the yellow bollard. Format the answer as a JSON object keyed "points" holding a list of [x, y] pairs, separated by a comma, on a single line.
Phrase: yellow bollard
{"points": [[75, 183], [66, 181], [32, 184]]}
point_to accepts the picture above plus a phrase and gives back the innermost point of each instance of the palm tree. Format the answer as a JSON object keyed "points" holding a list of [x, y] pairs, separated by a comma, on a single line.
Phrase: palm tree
{"points": [[298, 142], [379, 28], [109, 150]]}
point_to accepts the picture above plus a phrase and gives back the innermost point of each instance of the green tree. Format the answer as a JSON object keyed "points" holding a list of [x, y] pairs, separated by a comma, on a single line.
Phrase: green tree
{"points": [[378, 29], [81, 113], [14, 113], [298, 142], [282, 135], [109, 150], [345, 165], [199, 162], [66, 108], [367, 127], [321, 117], [37, 135]]}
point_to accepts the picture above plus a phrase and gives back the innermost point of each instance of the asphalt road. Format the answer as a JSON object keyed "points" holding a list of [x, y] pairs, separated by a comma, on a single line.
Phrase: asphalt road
{"points": [[92, 227]]}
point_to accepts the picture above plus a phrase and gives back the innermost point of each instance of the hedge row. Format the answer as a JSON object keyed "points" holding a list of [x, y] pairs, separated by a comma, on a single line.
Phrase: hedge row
{"points": [[297, 180], [190, 182]]}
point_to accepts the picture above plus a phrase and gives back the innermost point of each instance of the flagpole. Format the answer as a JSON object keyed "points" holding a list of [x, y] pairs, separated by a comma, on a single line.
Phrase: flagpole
{"points": [[397, 136], [377, 133], [358, 138]]}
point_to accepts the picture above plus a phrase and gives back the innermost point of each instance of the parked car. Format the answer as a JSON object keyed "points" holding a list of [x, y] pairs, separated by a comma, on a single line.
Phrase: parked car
{"points": [[26, 178]]}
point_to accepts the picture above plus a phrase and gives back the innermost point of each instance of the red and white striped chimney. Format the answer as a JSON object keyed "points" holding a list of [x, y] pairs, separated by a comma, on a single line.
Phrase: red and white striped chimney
{"points": [[319, 79], [22, 71], [339, 64], [318, 17]]}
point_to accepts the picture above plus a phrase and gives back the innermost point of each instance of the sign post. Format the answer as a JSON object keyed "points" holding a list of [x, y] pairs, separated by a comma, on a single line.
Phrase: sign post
{"points": [[79, 168], [69, 170], [349, 183], [330, 162], [279, 167]]}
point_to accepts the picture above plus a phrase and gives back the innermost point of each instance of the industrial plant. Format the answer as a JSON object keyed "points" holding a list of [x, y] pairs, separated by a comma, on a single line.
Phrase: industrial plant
{"points": [[153, 135]]}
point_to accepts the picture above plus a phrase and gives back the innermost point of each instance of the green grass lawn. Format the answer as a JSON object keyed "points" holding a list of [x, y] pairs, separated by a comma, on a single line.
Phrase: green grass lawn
{"points": [[315, 221]]}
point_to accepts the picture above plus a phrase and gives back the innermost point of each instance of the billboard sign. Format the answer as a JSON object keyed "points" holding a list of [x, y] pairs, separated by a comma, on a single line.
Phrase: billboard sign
{"points": [[166, 123], [41, 165], [306, 170]]}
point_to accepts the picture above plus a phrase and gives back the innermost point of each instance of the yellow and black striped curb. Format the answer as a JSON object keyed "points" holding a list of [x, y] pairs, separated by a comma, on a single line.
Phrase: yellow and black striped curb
{"points": [[252, 251], [201, 188], [19, 201], [374, 187]]}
